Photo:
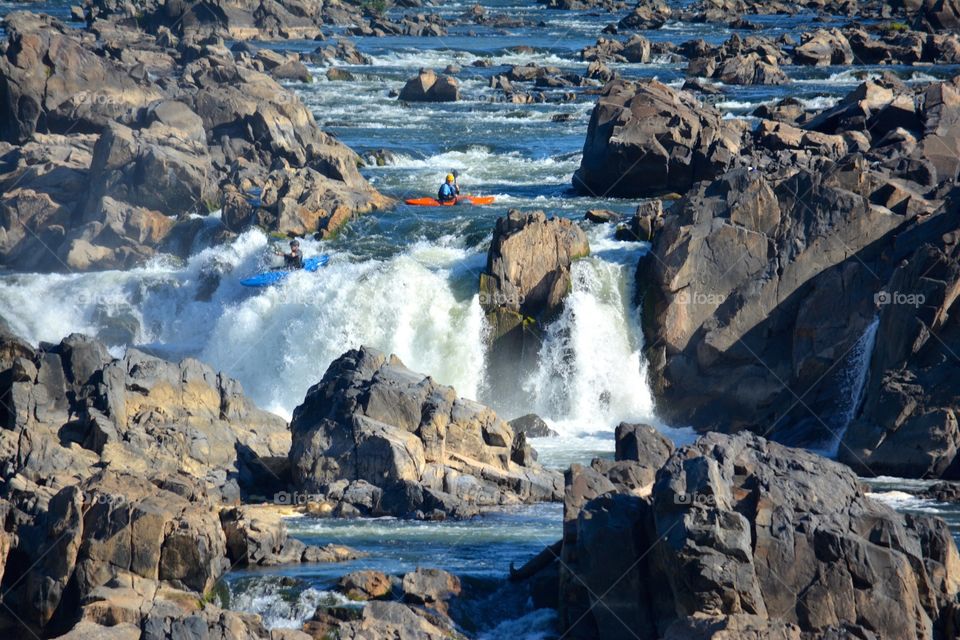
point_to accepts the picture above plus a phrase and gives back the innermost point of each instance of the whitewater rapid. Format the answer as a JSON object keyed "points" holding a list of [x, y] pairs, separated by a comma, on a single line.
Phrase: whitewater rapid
{"points": [[420, 303]]}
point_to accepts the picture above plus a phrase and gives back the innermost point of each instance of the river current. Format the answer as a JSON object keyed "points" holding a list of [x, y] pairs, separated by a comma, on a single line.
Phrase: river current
{"points": [[405, 281]]}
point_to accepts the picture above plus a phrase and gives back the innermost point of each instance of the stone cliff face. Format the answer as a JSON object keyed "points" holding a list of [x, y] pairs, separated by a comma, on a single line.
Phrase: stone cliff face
{"points": [[763, 278], [121, 479]]}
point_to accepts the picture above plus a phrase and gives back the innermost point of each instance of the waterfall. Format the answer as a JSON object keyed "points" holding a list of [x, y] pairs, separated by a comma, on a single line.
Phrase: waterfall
{"points": [[853, 380]]}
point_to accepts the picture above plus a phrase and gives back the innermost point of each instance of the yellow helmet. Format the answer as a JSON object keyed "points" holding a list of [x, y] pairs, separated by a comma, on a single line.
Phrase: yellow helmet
{"points": [[450, 177]]}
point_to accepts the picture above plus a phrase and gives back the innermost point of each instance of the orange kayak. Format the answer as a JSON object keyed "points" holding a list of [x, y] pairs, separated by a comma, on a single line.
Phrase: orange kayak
{"points": [[433, 202]]}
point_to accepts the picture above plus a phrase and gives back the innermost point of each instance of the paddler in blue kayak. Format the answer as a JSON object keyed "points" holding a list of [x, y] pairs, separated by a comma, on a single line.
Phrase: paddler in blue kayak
{"points": [[449, 190], [294, 259]]}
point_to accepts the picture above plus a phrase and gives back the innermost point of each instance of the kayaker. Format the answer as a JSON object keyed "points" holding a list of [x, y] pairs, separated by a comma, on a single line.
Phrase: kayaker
{"points": [[449, 190], [294, 259]]}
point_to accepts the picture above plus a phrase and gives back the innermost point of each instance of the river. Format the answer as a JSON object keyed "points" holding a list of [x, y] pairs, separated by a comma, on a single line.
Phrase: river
{"points": [[405, 281]]}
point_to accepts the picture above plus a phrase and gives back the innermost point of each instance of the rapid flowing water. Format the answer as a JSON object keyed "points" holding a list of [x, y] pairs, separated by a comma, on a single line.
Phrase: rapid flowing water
{"points": [[405, 281]]}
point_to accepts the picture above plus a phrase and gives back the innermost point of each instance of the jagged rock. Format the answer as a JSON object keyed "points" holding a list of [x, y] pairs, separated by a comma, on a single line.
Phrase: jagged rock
{"points": [[200, 124], [421, 448], [532, 426], [647, 139], [908, 424], [73, 90], [705, 301], [81, 409], [751, 537]]}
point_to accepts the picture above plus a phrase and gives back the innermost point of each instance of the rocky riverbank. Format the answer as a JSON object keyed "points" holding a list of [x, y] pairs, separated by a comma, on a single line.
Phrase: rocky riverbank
{"points": [[88, 115], [747, 539], [126, 481]]}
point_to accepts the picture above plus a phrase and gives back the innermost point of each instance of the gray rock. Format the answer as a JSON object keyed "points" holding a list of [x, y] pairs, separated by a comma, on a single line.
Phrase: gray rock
{"points": [[636, 148], [752, 539], [532, 426], [412, 443]]}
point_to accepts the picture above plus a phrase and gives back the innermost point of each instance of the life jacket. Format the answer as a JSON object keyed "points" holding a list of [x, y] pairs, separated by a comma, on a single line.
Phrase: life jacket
{"points": [[447, 192], [294, 260]]}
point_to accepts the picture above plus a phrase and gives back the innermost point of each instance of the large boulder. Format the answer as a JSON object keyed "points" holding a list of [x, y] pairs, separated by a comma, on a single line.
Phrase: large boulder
{"points": [[748, 535], [736, 290], [527, 278], [647, 139], [380, 439], [428, 87]]}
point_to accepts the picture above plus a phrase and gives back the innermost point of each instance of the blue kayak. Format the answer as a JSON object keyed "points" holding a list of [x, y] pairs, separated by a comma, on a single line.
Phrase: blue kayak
{"points": [[269, 278]]}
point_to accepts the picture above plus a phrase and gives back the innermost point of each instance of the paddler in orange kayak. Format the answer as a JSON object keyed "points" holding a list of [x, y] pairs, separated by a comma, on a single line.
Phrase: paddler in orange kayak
{"points": [[449, 190]]}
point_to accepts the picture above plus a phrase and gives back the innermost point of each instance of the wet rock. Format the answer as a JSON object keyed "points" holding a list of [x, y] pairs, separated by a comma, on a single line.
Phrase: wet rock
{"points": [[532, 426], [365, 585], [420, 447], [523, 287], [427, 87], [601, 216], [635, 146], [339, 75]]}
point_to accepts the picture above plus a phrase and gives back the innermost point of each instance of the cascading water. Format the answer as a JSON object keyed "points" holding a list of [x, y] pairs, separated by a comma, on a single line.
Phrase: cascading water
{"points": [[854, 380], [591, 372]]}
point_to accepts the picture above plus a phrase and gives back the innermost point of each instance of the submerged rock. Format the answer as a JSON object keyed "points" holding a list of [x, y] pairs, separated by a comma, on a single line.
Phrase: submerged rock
{"points": [[376, 438]]}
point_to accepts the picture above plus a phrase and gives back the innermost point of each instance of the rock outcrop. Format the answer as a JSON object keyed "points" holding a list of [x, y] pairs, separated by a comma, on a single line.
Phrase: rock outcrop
{"points": [[646, 139], [527, 277], [71, 408], [119, 491], [428, 87], [908, 424], [824, 207], [375, 438], [749, 537], [85, 126]]}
